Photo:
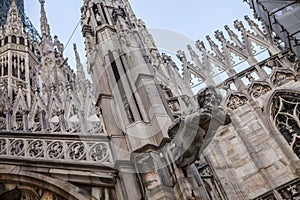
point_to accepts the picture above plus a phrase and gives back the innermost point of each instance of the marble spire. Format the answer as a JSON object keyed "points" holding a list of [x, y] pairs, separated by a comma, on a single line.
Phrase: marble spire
{"points": [[45, 28]]}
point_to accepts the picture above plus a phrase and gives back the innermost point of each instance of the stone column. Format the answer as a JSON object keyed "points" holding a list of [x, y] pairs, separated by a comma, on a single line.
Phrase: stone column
{"points": [[127, 186], [152, 177], [25, 119]]}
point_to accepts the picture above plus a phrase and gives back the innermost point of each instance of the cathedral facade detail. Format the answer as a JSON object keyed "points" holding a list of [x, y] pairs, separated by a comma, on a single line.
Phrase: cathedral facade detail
{"points": [[223, 125]]}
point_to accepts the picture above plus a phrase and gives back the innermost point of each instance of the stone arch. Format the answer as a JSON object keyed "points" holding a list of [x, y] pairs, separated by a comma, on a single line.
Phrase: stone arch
{"points": [[72, 114], [21, 40], [19, 107], [284, 115], [14, 39], [24, 178], [55, 110], [37, 114], [18, 193]]}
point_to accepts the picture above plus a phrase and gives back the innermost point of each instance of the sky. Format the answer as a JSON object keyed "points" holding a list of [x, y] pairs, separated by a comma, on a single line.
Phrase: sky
{"points": [[173, 23]]}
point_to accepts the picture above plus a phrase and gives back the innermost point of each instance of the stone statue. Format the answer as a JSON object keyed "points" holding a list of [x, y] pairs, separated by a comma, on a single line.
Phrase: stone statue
{"points": [[191, 134]]}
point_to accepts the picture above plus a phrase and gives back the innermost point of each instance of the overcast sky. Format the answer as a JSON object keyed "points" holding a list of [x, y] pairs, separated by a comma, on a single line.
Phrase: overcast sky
{"points": [[174, 23]]}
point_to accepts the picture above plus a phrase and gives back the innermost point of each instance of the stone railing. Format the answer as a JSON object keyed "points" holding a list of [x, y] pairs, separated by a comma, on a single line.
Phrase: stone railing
{"points": [[55, 149]]}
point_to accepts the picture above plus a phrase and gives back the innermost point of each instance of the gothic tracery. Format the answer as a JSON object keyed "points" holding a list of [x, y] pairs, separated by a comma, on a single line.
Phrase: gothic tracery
{"points": [[286, 117]]}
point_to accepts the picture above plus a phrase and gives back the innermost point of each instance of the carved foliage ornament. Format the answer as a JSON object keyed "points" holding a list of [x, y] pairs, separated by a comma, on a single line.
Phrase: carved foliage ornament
{"points": [[235, 101], [280, 78], [259, 89], [285, 113]]}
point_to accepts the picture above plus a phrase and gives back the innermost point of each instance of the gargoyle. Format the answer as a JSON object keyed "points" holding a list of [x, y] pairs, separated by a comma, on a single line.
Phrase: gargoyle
{"points": [[191, 134]]}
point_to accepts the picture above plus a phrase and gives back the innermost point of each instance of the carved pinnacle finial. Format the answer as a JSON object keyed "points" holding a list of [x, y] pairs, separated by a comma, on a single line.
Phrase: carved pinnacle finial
{"points": [[192, 52], [214, 47], [75, 47], [254, 26], [233, 36], [239, 25], [229, 31], [45, 28], [76, 53], [250, 22], [14, 24], [219, 36], [181, 56], [211, 42], [200, 45], [194, 56], [80, 70]]}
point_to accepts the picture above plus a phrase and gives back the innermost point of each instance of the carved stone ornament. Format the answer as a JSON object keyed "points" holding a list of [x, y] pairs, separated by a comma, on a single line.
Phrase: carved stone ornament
{"points": [[192, 133], [17, 148], [236, 101], [14, 23], [35, 148], [259, 89], [99, 152], [2, 146], [291, 190], [55, 150], [76, 151], [280, 78]]}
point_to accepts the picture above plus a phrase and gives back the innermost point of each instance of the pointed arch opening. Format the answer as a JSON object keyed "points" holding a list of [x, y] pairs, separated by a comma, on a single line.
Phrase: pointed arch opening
{"points": [[33, 186], [22, 40], [285, 115], [14, 39]]}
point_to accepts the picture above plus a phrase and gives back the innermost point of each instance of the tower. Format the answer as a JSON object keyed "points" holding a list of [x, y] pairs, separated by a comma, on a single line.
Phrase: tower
{"points": [[4, 8], [17, 67], [120, 59], [131, 81], [126, 91]]}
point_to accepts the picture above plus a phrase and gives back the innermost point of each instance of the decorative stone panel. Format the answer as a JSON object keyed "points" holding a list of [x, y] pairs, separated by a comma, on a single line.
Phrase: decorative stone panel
{"points": [[81, 151]]}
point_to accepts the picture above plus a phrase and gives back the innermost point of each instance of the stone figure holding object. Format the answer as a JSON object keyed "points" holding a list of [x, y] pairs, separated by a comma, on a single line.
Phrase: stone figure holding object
{"points": [[191, 134]]}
